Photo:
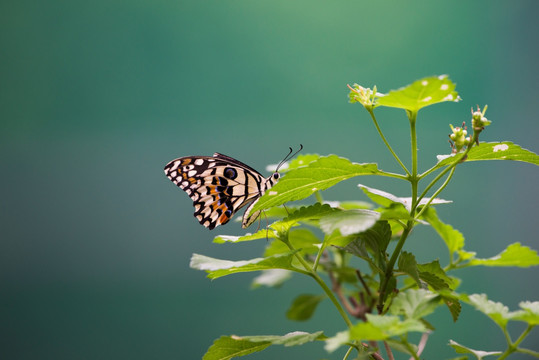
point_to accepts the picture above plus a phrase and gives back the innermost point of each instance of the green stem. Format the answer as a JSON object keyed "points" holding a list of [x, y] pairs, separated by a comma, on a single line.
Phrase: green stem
{"points": [[409, 348], [412, 116], [524, 334], [388, 273], [318, 256], [389, 268], [319, 280], [318, 197], [529, 352], [371, 112], [446, 182], [390, 174], [348, 353]]}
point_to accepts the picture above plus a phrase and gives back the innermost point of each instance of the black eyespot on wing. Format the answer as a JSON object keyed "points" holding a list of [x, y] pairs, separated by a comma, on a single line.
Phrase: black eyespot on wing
{"points": [[230, 173]]}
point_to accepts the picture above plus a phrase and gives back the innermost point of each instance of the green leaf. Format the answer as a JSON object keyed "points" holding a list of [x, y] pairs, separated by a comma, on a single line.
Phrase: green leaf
{"points": [[514, 255], [433, 274], [229, 347], [318, 175], [505, 150], [497, 311], [301, 160], [453, 304], [310, 213], [271, 278], [305, 214], [414, 303], [408, 265], [291, 339], [529, 312], [349, 222], [217, 268], [453, 238], [303, 307], [386, 199], [381, 327], [334, 342], [501, 315], [403, 347], [421, 93], [261, 234], [461, 349], [373, 241], [302, 239]]}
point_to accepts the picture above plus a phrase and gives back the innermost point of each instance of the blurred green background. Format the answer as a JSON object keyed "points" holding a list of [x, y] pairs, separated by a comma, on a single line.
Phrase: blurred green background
{"points": [[97, 96]]}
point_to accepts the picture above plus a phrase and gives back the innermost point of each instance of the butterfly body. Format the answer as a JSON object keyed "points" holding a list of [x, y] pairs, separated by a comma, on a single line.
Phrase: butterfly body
{"points": [[219, 186]]}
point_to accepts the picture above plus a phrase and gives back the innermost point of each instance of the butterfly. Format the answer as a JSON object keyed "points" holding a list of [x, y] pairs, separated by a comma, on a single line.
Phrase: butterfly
{"points": [[220, 185]]}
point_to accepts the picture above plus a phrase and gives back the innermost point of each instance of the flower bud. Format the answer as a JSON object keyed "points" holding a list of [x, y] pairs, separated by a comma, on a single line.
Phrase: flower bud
{"points": [[364, 96], [459, 138], [479, 121]]}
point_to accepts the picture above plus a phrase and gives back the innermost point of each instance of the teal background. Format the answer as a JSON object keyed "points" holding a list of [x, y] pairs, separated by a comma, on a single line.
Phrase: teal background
{"points": [[97, 96]]}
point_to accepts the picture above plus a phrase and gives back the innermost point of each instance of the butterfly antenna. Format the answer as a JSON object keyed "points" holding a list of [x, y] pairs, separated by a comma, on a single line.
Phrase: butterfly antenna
{"points": [[288, 156]]}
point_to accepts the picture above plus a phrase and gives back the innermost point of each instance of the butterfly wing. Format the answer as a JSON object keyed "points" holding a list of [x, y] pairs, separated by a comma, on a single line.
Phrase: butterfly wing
{"points": [[219, 186]]}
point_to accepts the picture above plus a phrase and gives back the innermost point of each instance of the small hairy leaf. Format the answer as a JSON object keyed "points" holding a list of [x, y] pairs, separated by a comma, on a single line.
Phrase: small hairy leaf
{"points": [[514, 255], [386, 199], [271, 278], [479, 354], [291, 339], [381, 327], [453, 238], [379, 234], [305, 214], [229, 347], [217, 268], [371, 245], [529, 312], [349, 222], [261, 234], [497, 311], [303, 307], [408, 265], [302, 239], [453, 304], [421, 93], [334, 342], [318, 175], [311, 212], [433, 274], [505, 150], [302, 160], [414, 303]]}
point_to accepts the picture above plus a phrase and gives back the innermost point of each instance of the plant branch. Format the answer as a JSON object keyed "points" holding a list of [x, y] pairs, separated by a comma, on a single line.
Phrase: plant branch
{"points": [[422, 344], [371, 112], [440, 189], [316, 277], [389, 268], [388, 351]]}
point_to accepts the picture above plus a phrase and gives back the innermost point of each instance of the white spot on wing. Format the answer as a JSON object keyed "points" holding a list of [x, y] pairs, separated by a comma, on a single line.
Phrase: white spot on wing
{"points": [[501, 147], [199, 161]]}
